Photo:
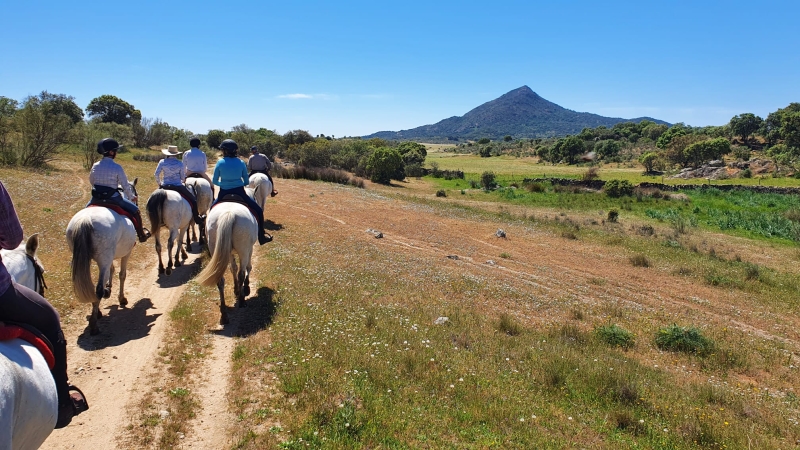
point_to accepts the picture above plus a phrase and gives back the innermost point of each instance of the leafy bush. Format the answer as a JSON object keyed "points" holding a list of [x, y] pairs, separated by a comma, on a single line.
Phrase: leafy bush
{"points": [[488, 180], [615, 336], [613, 215], [618, 188], [534, 187], [687, 340], [385, 164], [441, 193]]}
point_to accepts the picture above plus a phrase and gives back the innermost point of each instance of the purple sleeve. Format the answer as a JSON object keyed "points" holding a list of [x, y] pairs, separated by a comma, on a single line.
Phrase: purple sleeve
{"points": [[10, 228]]}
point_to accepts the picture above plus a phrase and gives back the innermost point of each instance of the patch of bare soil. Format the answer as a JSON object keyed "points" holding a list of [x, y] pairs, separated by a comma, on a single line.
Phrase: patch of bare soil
{"points": [[110, 367]]}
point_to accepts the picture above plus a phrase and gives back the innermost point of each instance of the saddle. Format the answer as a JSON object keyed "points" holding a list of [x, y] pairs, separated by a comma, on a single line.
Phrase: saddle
{"points": [[117, 209], [234, 198], [13, 330], [194, 175]]}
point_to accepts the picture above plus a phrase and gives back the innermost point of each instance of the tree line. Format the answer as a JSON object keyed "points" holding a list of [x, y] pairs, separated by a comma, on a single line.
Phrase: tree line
{"points": [[661, 147], [34, 130]]}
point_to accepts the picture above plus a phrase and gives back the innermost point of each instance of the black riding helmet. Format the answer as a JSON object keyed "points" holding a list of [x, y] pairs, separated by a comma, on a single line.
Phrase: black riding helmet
{"points": [[107, 145], [229, 147]]}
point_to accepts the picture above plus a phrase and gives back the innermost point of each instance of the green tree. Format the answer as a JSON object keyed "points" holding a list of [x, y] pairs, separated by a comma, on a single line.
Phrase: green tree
{"points": [[671, 133], [44, 123], [215, 137], [567, 149], [108, 108], [508, 138], [649, 160], [707, 150], [746, 124], [385, 164], [488, 180], [8, 108], [607, 149]]}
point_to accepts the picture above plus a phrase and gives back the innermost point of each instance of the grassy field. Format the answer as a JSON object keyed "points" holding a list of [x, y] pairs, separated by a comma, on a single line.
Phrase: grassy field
{"points": [[650, 331]]}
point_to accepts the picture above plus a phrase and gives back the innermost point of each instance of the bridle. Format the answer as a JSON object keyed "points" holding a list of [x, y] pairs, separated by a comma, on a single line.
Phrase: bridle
{"points": [[38, 275]]}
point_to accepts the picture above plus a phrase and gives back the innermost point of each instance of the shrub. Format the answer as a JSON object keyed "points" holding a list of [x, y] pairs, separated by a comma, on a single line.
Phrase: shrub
{"points": [[640, 261], [441, 193], [618, 188], [591, 174], [615, 336], [533, 187], [385, 164], [508, 325], [488, 180], [613, 215], [687, 340]]}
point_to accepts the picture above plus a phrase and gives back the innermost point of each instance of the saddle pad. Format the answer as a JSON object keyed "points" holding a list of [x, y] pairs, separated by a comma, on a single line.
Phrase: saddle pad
{"points": [[167, 188], [9, 332]]}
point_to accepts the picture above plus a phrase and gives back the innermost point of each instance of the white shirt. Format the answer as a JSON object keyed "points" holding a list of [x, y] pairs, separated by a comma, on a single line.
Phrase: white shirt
{"points": [[110, 174], [195, 161], [172, 170]]}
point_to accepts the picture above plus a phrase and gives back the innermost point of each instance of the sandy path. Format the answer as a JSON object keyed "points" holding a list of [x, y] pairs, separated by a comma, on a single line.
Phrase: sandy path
{"points": [[107, 367]]}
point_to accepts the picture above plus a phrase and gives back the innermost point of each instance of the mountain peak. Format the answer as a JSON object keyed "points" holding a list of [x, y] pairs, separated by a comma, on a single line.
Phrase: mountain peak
{"points": [[520, 113]]}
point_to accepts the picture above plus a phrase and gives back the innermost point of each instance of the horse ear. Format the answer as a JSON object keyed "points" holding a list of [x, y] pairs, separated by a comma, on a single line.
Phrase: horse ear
{"points": [[32, 245], [135, 180]]}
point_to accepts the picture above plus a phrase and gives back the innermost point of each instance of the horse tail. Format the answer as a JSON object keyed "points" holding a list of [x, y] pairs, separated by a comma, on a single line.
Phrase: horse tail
{"points": [[155, 204], [215, 269], [82, 251]]}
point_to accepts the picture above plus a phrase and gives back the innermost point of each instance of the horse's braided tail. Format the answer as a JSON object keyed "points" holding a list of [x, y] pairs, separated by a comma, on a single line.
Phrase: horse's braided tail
{"points": [[215, 269], [82, 251], [155, 205]]}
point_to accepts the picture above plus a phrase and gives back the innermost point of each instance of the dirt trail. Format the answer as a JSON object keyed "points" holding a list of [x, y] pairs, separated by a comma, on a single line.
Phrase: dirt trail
{"points": [[108, 367]]}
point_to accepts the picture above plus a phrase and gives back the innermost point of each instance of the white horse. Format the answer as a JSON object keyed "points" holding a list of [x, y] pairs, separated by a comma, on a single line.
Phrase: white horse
{"points": [[202, 190], [102, 235], [28, 398], [24, 266], [168, 208], [260, 189], [231, 228]]}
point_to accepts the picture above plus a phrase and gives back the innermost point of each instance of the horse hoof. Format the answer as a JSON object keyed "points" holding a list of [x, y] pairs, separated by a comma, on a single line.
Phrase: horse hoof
{"points": [[178, 263], [123, 301], [106, 293], [161, 270], [168, 271]]}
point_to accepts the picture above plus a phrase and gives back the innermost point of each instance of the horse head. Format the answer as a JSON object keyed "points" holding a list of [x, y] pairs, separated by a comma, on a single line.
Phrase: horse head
{"points": [[135, 198]]}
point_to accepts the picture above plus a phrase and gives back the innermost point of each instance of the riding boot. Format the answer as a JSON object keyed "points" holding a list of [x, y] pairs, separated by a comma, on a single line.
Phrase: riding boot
{"points": [[262, 236], [66, 409], [143, 233], [274, 192]]}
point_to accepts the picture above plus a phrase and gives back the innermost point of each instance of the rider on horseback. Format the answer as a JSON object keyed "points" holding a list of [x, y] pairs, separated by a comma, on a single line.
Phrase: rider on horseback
{"points": [[230, 174], [196, 163], [259, 163], [107, 177], [173, 174], [24, 306]]}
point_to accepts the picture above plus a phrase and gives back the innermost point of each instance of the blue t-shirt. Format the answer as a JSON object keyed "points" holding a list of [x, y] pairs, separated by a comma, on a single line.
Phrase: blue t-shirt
{"points": [[230, 172]]}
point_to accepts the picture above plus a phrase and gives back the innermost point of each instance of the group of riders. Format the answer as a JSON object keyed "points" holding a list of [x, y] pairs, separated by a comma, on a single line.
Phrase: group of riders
{"points": [[23, 307]]}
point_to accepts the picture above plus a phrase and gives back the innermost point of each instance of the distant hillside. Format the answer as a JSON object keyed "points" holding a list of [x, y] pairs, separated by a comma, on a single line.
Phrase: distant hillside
{"points": [[520, 113]]}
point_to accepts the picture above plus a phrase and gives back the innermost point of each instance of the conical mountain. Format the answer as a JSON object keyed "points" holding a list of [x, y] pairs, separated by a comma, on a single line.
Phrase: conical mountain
{"points": [[520, 113]]}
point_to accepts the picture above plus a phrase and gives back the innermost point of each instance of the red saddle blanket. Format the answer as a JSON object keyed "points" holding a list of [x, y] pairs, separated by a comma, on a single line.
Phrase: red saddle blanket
{"points": [[9, 332], [116, 209]]}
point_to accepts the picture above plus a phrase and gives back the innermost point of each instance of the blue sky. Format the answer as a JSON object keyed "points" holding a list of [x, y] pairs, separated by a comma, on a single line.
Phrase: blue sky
{"points": [[360, 67]]}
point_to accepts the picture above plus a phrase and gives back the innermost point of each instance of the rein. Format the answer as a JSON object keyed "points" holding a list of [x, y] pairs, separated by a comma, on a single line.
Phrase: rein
{"points": [[39, 274]]}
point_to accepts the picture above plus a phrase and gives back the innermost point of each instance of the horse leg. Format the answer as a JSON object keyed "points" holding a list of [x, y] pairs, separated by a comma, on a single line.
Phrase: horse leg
{"points": [[183, 232], [223, 311], [123, 273], [93, 317], [201, 228], [158, 251], [170, 244], [235, 277], [107, 292], [102, 281], [242, 280]]}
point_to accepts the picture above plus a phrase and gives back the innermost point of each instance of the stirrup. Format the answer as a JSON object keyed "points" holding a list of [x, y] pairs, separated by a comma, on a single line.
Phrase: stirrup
{"points": [[274, 193], [79, 403]]}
